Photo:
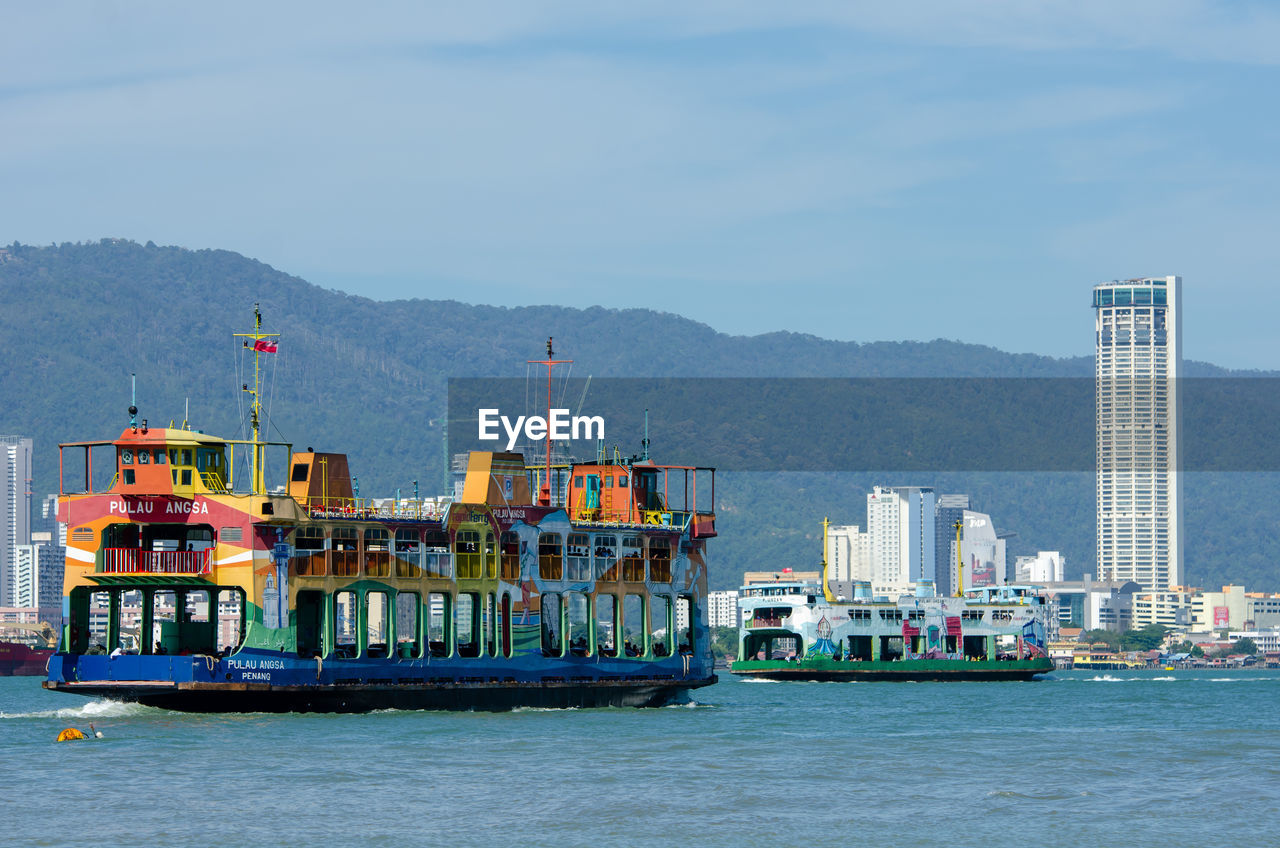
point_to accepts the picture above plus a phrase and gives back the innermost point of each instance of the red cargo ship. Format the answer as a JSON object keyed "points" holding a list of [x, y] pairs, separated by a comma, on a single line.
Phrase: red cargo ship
{"points": [[19, 659]]}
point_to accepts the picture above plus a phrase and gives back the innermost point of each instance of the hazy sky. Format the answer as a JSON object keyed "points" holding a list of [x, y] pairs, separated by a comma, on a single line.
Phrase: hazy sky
{"points": [[856, 171]]}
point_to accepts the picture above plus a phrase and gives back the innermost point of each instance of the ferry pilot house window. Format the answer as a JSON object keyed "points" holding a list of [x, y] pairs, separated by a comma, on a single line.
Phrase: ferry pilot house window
{"points": [[549, 553], [377, 558], [660, 560], [466, 548], [510, 543], [633, 559], [408, 553], [606, 557], [436, 558], [308, 552], [578, 550]]}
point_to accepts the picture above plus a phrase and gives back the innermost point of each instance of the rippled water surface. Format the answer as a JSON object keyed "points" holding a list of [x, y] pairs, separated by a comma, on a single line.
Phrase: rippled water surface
{"points": [[1080, 758]]}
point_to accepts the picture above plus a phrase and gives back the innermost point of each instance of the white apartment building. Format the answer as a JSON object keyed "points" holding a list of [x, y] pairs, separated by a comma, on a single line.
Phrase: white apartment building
{"points": [[900, 522], [1138, 337], [722, 609], [1216, 610], [1044, 567], [848, 553], [15, 507], [36, 578], [1171, 608]]}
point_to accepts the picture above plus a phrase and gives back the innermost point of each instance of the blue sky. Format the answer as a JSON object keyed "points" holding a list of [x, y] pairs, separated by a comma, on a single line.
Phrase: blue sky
{"points": [[856, 171]]}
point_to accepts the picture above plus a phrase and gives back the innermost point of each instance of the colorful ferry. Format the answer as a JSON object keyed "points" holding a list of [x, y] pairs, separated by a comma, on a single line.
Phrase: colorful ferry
{"points": [[798, 631], [195, 583]]}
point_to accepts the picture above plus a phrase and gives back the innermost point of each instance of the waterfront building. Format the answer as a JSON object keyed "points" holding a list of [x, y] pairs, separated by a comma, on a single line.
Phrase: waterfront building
{"points": [[786, 575], [1171, 608], [15, 507], [900, 521], [1216, 610], [947, 511], [1262, 610], [36, 578], [1092, 604], [1044, 567], [848, 556], [982, 551], [1138, 337], [722, 609], [1268, 640]]}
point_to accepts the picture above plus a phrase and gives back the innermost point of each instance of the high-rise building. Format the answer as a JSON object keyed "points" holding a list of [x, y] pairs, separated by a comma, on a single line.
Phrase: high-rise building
{"points": [[722, 609], [949, 510], [900, 522], [15, 507], [848, 553], [1138, 326], [36, 578]]}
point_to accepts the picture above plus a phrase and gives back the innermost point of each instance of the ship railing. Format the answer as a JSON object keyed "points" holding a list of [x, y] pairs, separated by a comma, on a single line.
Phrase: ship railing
{"points": [[142, 561]]}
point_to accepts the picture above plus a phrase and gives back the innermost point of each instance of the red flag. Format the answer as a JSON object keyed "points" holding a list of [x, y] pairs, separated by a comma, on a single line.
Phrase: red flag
{"points": [[265, 346]]}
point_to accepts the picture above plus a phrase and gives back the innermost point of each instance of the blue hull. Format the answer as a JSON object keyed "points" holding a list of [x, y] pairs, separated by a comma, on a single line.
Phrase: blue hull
{"points": [[264, 681]]}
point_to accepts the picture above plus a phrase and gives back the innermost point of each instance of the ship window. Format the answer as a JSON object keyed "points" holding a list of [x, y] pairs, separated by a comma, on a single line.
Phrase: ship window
{"points": [[376, 606], [99, 612], [173, 456], [308, 552], [186, 476], [660, 560], [608, 481], [437, 559], [344, 553], [346, 624], [633, 641], [633, 559], [490, 625], [606, 618], [684, 613], [309, 617], [408, 553], [506, 624], [466, 619], [408, 644], [186, 456], [577, 481], [490, 556], [579, 624], [198, 634], [622, 481], [126, 456], [299, 473], [128, 476], [606, 557], [549, 553], [510, 556], [438, 624], [578, 549], [466, 549], [163, 638], [660, 625], [552, 645], [144, 457], [159, 457], [230, 620], [377, 556]]}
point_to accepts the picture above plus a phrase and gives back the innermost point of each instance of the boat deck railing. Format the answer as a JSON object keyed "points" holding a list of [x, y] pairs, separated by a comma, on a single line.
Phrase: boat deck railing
{"points": [[142, 561]]}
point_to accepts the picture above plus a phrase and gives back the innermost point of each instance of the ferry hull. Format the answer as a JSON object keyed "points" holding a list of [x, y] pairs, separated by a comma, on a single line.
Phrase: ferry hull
{"points": [[210, 685], [355, 698], [905, 670]]}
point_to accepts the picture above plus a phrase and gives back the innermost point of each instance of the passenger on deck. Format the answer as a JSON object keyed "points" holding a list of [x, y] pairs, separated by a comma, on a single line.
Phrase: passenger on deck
{"points": [[159, 649]]}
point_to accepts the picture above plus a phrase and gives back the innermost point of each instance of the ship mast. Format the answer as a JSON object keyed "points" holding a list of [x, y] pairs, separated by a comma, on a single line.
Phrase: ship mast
{"points": [[258, 347], [544, 493]]}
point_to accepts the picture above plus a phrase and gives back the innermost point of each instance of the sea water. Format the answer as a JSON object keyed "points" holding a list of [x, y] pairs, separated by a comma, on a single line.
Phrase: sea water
{"points": [[1164, 758]]}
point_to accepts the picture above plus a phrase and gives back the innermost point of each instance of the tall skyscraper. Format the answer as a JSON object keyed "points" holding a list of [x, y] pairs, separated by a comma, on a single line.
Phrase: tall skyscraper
{"points": [[949, 510], [900, 521], [15, 507], [1139, 357]]}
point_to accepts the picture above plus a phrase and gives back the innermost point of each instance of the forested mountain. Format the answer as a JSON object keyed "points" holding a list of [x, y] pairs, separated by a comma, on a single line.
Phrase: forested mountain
{"points": [[369, 378]]}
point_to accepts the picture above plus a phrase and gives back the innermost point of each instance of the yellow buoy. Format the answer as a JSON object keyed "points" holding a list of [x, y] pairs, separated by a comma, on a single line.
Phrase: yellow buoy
{"points": [[70, 735]]}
